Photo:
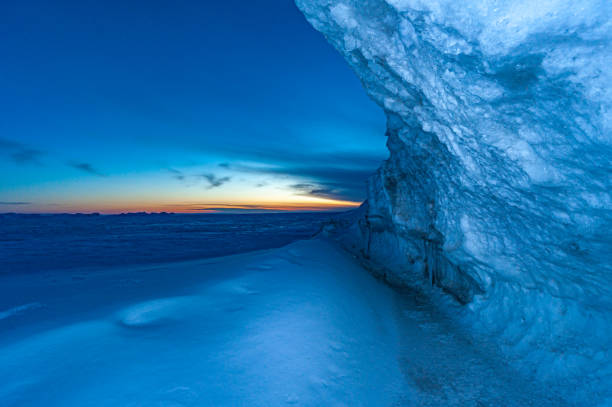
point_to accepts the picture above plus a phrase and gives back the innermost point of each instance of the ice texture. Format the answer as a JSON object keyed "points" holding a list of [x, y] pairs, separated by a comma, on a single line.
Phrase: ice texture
{"points": [[498, 184]]}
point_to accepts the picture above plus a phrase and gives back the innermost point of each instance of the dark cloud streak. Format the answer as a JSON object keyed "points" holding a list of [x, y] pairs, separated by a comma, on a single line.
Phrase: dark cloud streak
{"points": [[19, 153], [336, 175], [214, 181], [86, 167], [316, 190], [176, 174], [328, 181]]}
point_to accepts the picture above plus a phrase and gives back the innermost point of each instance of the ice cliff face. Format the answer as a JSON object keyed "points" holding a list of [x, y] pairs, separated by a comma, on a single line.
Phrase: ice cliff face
{"points": [[498, 184]]}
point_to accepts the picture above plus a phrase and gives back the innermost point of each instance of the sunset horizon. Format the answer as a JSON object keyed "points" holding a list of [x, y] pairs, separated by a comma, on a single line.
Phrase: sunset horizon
{"points": [[313, 205]]}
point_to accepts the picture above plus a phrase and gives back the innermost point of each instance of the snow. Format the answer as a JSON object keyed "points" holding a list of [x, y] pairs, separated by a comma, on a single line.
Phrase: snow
{"points": [[498, 186], [39, 243], [302, 325], [294, 326], [20, 308]]}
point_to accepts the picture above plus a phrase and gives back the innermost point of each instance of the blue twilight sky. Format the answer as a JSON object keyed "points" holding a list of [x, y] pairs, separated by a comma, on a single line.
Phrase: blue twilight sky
{"points": [[184, 105]]}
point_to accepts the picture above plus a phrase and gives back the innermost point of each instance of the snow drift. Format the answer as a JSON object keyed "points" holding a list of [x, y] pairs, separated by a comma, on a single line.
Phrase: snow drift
{"points": [[498, 184]]}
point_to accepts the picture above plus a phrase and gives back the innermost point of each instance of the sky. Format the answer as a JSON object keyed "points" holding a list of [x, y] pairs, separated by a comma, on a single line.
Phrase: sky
{"points": [[183, 106]]}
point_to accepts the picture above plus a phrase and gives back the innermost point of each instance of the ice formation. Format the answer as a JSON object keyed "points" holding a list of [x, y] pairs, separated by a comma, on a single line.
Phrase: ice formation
{"points": [[498, 184]]}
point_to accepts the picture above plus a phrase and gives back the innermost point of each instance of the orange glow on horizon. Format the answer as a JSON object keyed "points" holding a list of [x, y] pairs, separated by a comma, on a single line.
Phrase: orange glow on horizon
{"points": [[307, 205], [281, 207]]}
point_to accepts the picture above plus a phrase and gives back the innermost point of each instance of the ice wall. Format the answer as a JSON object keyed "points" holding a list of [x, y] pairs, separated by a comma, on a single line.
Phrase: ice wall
{"points": [[498, 184]]}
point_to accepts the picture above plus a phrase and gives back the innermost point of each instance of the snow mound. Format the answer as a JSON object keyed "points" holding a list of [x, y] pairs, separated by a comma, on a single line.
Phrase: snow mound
{"points": [[498, 186], [156, 311]]}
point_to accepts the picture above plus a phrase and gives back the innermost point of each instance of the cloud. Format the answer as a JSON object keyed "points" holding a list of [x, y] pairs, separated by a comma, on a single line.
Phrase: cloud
{"points": [[315, 190], [14, 203], [332, 179], [214, 181], [8, 144], [262, 208], [86, 167], [19, 153], [231, 206], [176, 174], [333, 174], [237, 209], [27, 156]]}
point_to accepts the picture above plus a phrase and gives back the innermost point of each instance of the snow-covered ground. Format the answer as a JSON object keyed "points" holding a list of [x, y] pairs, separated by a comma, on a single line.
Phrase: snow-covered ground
{"points": [[300, 325], [35, 243]]}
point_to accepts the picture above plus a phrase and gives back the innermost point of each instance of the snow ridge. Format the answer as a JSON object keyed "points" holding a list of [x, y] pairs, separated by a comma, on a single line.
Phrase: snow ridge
{"points": [[19, 309]]}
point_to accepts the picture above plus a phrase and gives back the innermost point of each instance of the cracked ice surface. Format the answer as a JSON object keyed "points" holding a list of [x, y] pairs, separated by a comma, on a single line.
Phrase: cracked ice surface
{"points": [[498, 184]]}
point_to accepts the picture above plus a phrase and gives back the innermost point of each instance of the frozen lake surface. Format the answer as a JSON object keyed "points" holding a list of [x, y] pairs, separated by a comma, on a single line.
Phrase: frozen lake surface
{"points": [[34, 243], [299, 325]]}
